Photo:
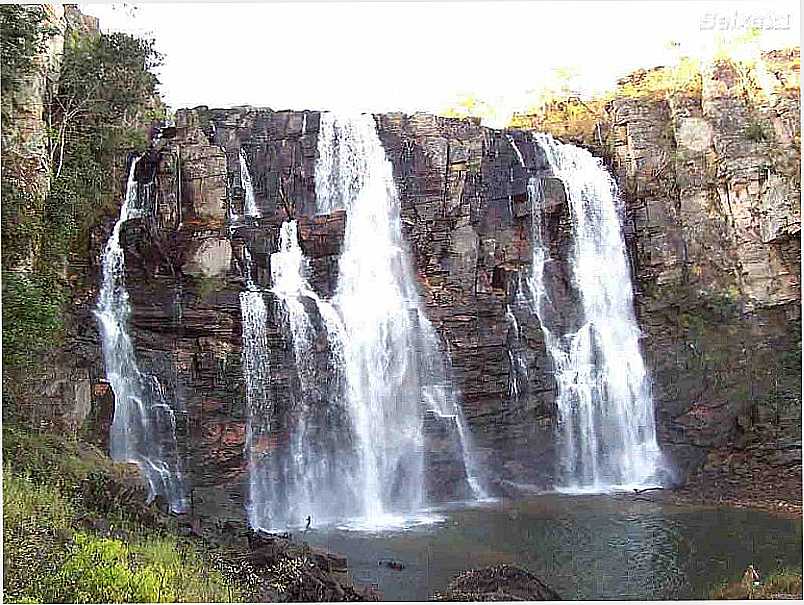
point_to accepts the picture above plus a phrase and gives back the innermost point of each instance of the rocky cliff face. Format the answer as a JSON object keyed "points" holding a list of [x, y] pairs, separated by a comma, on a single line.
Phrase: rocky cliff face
{"points": [[711, 178], [712, 224], [710, 171], [467, 219]]}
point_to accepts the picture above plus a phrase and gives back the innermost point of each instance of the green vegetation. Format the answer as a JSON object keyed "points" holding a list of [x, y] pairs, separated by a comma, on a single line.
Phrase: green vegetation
{"points": [[755, 131], [568, 118], [62, 174], [782, 583], [31, 317], [23, 34], [468, 105], [208, 285], [153, 570], [51, 489], [682, 78], [565, 114]]}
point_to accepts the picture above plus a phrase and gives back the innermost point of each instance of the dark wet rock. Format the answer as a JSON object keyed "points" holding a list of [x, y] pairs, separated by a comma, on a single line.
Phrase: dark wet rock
{"points": [[498, 583], [267, 548], [302, 580]]}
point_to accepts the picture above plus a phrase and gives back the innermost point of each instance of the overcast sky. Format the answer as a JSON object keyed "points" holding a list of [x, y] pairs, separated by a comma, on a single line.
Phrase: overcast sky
{"points": [[382, 56]]}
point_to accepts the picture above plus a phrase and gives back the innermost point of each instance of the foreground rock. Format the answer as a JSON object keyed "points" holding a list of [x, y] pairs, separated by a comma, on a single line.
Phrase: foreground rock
{"points": [[498, 583], [289, 571]]}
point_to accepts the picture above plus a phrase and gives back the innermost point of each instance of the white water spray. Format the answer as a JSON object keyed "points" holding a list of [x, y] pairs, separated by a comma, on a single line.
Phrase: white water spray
{"points": [[144, 427], [606, 419], [257, 375], [249, 203], [393, 367], [313, 474]]}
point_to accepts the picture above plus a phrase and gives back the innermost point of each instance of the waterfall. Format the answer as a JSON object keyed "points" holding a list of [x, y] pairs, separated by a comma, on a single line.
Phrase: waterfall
{"points": [[312, 474], [249, 204], [343, 163], [607, 435], [393, 368], [257, 374], [518, 366], [143, 430]]}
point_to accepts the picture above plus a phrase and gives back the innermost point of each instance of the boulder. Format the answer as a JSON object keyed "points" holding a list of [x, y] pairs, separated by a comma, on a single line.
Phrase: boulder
{"points": [[497, 583]]}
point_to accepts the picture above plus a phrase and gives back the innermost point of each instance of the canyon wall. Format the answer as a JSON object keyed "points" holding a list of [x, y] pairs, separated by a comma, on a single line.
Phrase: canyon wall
{"points": [[711, 177], [712, 221]]}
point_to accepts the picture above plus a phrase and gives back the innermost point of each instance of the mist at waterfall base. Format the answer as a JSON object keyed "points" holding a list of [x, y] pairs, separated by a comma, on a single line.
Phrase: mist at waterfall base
{"points": [[355, 448], [143, 430], [606, 433]]}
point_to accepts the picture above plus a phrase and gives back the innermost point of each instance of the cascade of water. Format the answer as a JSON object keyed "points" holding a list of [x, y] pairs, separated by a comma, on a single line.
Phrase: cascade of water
{"points": [[518, 363], [144, 427], [343, 163], [606, 420], [314, 476], [393, 368], [516, 150], [256, 373], [249, 203], [516, 359]]}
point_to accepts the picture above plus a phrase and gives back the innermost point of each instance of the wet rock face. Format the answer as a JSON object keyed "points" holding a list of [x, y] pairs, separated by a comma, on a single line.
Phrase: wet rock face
{"points": [[713, 239], [466, 217], [710, 180]]}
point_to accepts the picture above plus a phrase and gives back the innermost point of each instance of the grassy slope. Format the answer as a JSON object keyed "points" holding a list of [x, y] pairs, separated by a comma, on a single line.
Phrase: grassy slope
{"points": [[72, 534]]}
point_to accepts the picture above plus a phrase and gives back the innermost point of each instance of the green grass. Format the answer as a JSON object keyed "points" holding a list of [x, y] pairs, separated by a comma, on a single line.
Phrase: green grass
{"points": [[784, 582], [50, 555]]}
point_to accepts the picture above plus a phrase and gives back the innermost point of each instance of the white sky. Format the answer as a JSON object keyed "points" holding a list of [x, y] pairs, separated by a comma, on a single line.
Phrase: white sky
{"points": [[408, 56]]}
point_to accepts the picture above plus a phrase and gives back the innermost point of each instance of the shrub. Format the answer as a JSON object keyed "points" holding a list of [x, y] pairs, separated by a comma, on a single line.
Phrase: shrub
{"points": [[156, 570], [32, 319], [49, 556], [96, 571], [36, 519], [756, 132]]}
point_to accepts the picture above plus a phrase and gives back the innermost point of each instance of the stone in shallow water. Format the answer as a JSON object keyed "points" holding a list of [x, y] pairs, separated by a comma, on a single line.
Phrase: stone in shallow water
{"points": [[497, 583]]}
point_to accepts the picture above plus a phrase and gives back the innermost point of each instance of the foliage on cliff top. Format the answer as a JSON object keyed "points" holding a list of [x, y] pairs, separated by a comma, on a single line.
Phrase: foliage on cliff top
{"points": [[53, 550], [56, 190], [566, 114]]}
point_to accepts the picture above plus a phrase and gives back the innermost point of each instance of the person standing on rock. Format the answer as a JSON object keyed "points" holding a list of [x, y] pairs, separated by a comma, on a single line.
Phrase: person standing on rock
{"points": [[750, 578], [309, 520]]}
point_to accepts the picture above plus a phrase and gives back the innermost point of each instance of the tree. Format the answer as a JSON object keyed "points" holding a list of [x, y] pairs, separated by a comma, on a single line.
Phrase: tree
{"points": [[107, 87], [23, 33], [106, 97]]}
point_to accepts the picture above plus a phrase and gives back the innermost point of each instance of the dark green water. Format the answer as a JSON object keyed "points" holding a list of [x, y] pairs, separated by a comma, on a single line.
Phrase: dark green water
{"points": [[585, 547]]}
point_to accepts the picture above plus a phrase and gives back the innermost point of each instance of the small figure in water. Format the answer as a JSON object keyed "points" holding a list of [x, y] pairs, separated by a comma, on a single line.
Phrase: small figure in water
{"points": [[309, 520]]}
